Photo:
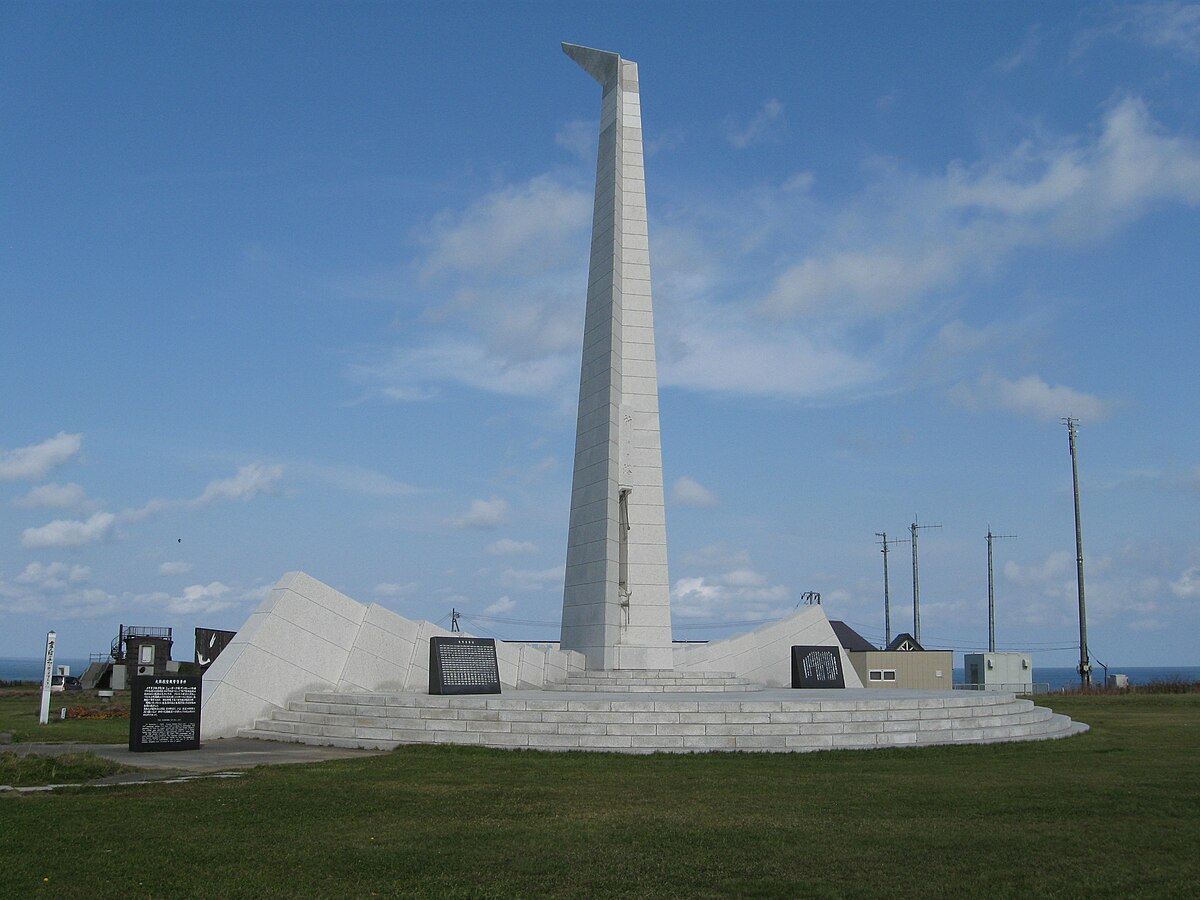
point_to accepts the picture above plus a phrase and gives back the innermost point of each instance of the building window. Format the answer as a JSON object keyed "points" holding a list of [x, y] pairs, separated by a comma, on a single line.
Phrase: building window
{"points": [[881, 675], [875, 675], [889, 674]]}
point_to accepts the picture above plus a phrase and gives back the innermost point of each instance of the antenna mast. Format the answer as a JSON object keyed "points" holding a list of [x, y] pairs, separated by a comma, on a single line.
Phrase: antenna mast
{"points": [[887, 604], [991, 591], [917, 580], [1085, 667]]}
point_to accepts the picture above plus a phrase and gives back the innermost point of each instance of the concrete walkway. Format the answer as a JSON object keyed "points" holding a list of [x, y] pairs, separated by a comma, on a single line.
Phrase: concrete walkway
{"points": [[224, 755]]}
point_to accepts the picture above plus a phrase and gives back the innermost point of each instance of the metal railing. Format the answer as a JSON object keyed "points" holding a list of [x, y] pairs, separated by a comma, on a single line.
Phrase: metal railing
{"points": [[117, 649], [1018, 687]]}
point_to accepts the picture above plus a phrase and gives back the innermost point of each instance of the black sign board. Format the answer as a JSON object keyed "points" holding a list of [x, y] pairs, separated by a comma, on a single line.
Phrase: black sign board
{"points": [[463, 665], [209, 644], [817, 667], [164, 713]]}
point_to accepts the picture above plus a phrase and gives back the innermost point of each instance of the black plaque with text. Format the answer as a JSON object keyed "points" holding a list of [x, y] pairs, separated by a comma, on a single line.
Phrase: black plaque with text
{"points": [[164, 713], [463, 665], [817, 667]]}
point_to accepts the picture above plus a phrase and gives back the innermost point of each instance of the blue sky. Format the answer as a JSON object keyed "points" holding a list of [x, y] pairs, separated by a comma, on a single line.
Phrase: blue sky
{"points": [[300, 286]]}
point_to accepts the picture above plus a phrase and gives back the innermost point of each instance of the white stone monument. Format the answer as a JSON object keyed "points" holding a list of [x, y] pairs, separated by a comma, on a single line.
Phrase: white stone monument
{"points": [[616, 599], [315, 666]]}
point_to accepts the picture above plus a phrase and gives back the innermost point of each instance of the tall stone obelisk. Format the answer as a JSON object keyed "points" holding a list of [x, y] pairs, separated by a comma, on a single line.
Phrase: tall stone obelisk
{"points": [[616, 600]]}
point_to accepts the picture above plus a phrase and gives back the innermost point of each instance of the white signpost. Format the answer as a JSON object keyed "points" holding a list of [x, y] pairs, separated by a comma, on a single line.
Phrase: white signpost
{"points": [[47, 677]]}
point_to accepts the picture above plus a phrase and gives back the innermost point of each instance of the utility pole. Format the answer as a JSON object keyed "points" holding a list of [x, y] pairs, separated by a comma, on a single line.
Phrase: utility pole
{"points": [[454, 616], [887, 603], [991, 591], [917, 580], [1085, 667]]}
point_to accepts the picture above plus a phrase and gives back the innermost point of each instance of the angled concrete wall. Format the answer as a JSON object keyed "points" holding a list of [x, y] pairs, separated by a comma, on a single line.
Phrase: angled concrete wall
{"points": [[764, 656], [305, 636]]}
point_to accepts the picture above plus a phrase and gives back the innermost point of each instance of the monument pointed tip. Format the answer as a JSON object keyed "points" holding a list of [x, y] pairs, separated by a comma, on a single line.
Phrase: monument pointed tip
{"points": [[600, 64]]}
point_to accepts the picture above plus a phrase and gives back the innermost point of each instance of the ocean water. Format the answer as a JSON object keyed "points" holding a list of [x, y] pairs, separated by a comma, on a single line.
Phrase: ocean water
{"points": [[24, 669]]}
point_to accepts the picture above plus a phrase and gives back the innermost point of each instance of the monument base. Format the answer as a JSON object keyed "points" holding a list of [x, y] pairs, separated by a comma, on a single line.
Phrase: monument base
{"points": [[776, 721]]}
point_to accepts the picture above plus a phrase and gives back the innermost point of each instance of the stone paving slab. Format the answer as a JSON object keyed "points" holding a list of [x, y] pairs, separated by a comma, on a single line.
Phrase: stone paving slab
{"points": [[213, 756]]}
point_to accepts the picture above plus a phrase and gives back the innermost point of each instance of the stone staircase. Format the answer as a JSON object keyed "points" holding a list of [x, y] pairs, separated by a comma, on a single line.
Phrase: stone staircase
{"points": [[654, 681], [772, 720]]}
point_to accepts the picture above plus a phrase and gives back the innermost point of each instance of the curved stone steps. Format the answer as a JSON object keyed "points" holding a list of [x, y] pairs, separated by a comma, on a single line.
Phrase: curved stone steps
{"points": [[655, 681], [772, 721]]}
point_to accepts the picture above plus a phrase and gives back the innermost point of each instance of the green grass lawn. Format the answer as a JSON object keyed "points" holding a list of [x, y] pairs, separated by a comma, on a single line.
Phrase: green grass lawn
{"points": [[19, 708], [1115, 812], [69, 768]]}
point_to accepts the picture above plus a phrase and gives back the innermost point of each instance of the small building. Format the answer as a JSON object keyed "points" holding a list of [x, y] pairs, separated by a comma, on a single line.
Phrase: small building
{"points": [[140, 650], [904, 664], [999, 672]]}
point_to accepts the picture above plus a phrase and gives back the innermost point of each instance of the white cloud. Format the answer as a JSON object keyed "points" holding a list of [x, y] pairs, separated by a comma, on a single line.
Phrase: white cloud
{"points": [[197, 599], [911, 235], [533, 580], [768, 117], [509, 547], [354, 479], [175, 568], [719, 351], [743, 578], [484, 514], [407, 374], [38, 460], [1169, 25], [956, 337], [394, 590], [56, 576], [524, 228], [737, 595], [52, 496], [578, 138], [1050, 575], [800, 182], [89, 603], [501, 606], [1033, 397], [1024, 53], [249, 481], [69, 532], [689, 492], [1187, 585], [840, 296]]}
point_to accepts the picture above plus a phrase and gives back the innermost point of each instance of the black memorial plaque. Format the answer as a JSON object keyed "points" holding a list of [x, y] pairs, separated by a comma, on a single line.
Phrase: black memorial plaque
{"points": [[164, 713], [209, 644], [817, 667], [463, 665]]}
